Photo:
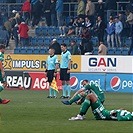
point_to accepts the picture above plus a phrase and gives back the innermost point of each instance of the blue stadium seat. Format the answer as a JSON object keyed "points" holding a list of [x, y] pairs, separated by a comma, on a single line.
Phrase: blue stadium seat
{"points": [[125, 51], [41, 41], [17, 50], [51, 31], [57, 31], [111, 51], [118, 51], [128, 42], [47, 41], [34, 41], [60, 40], [30, 50], [36, 50], [94, 41], [38, 31], [66, 41], [23, 50], [45, 31]]}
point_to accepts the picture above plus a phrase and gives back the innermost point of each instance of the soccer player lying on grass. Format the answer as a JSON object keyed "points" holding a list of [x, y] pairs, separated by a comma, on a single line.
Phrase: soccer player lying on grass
{"points": [[2, 73], [100, 113], [80, 95]]}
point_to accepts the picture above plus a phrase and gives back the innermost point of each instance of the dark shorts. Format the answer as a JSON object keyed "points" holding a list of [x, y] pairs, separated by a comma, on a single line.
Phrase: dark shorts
{"points": [[50, 75], [64, 75]]}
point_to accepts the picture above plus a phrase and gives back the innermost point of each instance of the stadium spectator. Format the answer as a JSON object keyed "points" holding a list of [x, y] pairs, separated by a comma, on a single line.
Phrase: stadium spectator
{"points": [[70, 28], [90, 10], [56, 46], [26, 10], [76, 25], [13, 13], [88, 22], [81, 8], [16, 20], [4, 36], [53, 13], [99, 29], [65, 67], [8, 26], [37, 12], [23, 32], [102, 50], [15, 34], [118, 30], [110, 33], [59, 11], [129, 20], [74, 48], [100, 9], [46, 7], [86, 45]]}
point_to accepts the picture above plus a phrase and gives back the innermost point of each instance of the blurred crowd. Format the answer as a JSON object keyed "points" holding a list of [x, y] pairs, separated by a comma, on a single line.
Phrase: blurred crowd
{"points": [[89, 21]]}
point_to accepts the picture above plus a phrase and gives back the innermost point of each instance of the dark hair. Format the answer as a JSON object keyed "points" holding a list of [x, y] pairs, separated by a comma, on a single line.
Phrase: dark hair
{"points": [[111, 18], [2, 46], [63, 44], [85, 80]]}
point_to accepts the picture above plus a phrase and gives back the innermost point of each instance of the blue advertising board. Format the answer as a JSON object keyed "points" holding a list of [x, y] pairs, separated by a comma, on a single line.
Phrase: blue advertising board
{"points": [[119, 83], [76, 79]]}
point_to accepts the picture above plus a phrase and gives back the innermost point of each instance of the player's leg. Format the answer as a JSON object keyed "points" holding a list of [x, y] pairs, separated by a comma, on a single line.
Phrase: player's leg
{"points": [[90, 99], [3, 84], [50, 75], [68, 88], [74, 99], [55, 94], [62, 78]]}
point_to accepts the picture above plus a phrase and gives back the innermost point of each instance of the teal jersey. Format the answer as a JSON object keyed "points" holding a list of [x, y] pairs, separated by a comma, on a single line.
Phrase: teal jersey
{"points": [[95, 89], [65, 57], [121, 115], [51, 62], [99, 112]]}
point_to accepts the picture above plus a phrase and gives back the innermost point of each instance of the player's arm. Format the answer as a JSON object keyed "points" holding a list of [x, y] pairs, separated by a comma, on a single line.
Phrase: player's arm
{"points": [[79, 91], [2, 69]]}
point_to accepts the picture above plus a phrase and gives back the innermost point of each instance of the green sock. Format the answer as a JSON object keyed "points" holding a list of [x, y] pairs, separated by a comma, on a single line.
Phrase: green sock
{"points": [[77, 97], [84, 107], [1, 88], [0, 100]]}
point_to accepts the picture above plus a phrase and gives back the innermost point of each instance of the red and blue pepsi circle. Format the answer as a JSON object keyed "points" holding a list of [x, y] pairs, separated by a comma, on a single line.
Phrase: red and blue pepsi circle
{"points": [[115, 83], [74, 83]]}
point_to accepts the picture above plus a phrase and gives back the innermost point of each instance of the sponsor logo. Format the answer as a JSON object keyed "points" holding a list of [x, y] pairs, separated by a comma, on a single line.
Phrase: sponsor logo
{"points": [[74, 83], [102, 64], [115, 83]]}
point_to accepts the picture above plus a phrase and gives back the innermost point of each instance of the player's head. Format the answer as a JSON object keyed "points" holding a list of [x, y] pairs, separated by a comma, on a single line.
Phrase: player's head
{"points": [[51, 51], [85, 82], [63, 47], [2, 48]]}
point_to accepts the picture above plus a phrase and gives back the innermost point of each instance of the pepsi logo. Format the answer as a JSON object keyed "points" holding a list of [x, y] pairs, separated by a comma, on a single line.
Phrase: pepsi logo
{"points": [[115, 83], [74, 83]]}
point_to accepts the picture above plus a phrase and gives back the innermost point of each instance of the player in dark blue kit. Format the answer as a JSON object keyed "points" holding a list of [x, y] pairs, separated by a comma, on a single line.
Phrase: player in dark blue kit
{"points": [[65, 71], [51, 70]]}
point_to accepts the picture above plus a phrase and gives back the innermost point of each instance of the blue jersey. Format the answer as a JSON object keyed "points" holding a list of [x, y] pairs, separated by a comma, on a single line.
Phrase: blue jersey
{"points": [[51, 62], [65, 57]]}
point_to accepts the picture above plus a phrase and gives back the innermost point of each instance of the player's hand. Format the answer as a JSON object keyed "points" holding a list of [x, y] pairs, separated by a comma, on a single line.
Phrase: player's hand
{"points": [[68, 71], [3, 74]]}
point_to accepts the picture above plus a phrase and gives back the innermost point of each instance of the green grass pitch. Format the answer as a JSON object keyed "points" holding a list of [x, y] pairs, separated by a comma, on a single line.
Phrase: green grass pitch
{"points": [[32, 112]]}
